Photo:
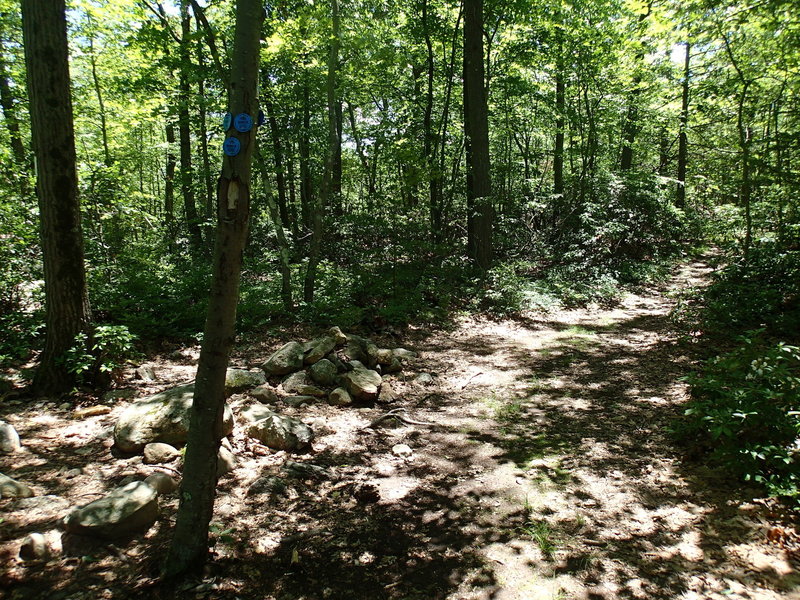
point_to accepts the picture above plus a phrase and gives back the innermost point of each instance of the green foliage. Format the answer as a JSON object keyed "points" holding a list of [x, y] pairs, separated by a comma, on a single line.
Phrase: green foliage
{"points": [[95, 359], [746, 407]]}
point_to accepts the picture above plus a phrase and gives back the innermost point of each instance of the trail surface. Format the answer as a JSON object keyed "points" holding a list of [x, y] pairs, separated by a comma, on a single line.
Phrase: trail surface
{"points": [[547, 474]]}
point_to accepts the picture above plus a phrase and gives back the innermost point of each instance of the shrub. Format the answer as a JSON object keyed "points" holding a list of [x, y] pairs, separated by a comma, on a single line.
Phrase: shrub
{"points": [[746, 407]]}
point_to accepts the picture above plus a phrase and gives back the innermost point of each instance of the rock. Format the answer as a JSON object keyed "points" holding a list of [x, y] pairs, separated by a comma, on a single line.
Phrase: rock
{"points": [[163, 417], [267, 485], [91, 411], [41, 546], [304, 470], [394, 367], [146, 373], [384, 356], [158, 452], [386, 395], [112, 395], [266, 394], [340, 397], [336, 334], [238, 380], [72, 473], [11, 488], [298, 383], [162, 483], [363, 384], [340, 366], [9, 438], [403, 354], [402, 450], [297, 401], [124, 511], [424, 379], [277, 431], [286, 359], [362, 350], [324, 372], [319, 348], [65, 406], [226, 461]]}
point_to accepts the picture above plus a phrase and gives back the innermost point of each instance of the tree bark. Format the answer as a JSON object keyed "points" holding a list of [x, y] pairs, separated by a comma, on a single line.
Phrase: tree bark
{"points": [[66, 298], [277, 155], [330, 156], [476, 132], [189, 547], [683, 138]]}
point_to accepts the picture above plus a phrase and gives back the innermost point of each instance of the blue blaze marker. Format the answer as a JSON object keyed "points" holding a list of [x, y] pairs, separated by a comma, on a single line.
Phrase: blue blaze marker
{"points": [[226, 122], [243, 123], [232, 146]]}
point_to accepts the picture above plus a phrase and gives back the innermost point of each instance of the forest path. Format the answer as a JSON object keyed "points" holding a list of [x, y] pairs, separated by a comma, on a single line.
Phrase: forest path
{"points": [[576, 488]]}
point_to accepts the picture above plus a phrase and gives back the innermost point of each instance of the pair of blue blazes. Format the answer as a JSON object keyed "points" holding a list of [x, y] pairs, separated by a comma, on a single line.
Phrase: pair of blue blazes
{"points": [[242, 123]]}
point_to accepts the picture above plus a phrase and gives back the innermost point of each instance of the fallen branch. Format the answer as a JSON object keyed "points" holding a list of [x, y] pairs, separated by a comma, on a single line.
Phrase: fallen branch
{"points": [[478, 374], [396, 413]]}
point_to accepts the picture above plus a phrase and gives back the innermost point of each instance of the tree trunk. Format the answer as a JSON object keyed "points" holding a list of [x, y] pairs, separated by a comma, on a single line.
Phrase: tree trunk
{"points": [[277, 154], [306, 193], [189, 547], [476, 132], [8, 104], [185, 133], [330, 154], [208, 208], [44, 28], [169, 183], [683, 138], [101, 105], [558, 153]]}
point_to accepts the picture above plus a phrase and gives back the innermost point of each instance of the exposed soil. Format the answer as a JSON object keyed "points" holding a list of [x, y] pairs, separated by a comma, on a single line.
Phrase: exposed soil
{"points": [[548, 474]]}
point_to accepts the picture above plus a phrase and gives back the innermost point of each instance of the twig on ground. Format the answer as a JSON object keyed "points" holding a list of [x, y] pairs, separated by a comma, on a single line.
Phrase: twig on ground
{"points": [[478, 374], [396, 413]]}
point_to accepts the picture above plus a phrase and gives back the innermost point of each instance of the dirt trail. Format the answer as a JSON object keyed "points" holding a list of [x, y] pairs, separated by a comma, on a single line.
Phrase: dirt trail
{"points": [[549, 475]]}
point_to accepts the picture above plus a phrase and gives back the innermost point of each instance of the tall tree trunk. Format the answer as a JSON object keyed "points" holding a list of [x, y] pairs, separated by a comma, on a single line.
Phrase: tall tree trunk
{"points": [[8, 104], [292, 191], [476, 132], [44, 28], [558, 152], [98, 91], [630, 128], [277, 155], [683, 138], [429, 135], [189, 547], [327, 176], [169, 182], [185, 133], [306, 192], [208, 208]]}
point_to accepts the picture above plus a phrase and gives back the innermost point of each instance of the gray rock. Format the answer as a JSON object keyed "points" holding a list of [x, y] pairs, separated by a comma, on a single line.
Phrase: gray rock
{"points": [[386, 395], [336, 334], [298, 470], [163, 417], [226, 461], [340, 366], [363, 384], [362, 350], [286, 359], [159, 452], [403, 354], [267, 485], [424, 379], [340, 397], [393, 367], [277, 431], [297, 401], [266, 394], [324, 372], [298, 383], [238, 380], [9, 438], [146, 373], [402, 450], [41, 546], [162, 483], [124, 511], [319, 348], [384, 356], [11, 488]]}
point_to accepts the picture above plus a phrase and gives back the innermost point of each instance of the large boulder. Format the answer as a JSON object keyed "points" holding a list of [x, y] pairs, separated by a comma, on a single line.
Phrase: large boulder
{"points": [[340, 397], [157, 453], [11, 488], [277, 431], [363, 384], [285, 360], [124, 511], [319, 348], [298, 383], [238, 380], [265, 394], [9, 438], [324, 373], [163, 417], [361, 350]]}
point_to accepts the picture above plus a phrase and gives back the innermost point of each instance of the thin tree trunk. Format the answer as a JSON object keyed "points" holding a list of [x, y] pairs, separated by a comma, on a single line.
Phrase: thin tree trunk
{"points": [[101, 105], [327, 176], [8, 104], [683, 138], [44, 28], [277, 154], [208, 209], [476, 132], [189, 547], [306, 193]]}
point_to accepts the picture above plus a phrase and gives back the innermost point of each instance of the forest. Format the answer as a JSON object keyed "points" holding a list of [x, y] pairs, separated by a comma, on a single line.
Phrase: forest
{"points": [[441, 299]]}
